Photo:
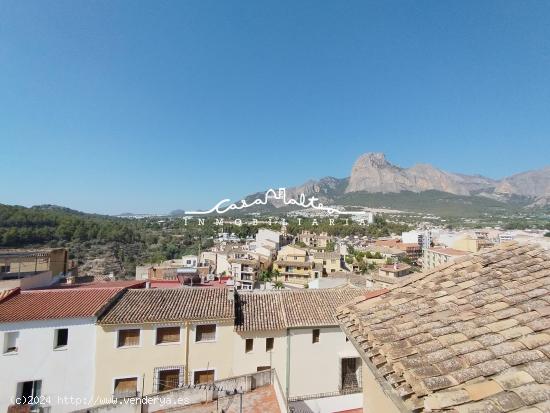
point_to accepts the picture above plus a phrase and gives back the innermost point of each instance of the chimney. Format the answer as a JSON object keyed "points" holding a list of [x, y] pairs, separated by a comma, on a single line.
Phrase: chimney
{"points": [[231, 293]]}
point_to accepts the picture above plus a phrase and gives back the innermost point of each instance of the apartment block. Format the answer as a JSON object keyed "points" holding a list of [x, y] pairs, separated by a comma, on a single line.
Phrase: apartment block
{"points": [[434, 257]]}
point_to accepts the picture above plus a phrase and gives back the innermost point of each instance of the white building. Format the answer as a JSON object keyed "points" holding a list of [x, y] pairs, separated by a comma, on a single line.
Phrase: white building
{"points": [[48, 340], [422, 238], [189, 261], [295, 332], [268, 237]]}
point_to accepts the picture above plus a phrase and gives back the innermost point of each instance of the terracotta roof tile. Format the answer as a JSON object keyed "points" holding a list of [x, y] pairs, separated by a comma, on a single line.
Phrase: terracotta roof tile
{"points": [[474, 336], [278, 310], [52, 304], [170, 304]]}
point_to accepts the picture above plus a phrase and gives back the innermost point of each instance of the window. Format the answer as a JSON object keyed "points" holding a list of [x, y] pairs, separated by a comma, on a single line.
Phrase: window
{"points": [[61, 337], [126, 387], [269, 343], [29, 391], [5, 268], [11, 340], [315, 335], [206, 332], [350, 374], [203, 376], [128, 338], [249, 346], [168, 335], [169, 379]]}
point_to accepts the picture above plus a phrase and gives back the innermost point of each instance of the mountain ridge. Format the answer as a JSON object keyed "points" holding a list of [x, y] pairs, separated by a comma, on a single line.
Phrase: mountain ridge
{"points": [[373, 173]]}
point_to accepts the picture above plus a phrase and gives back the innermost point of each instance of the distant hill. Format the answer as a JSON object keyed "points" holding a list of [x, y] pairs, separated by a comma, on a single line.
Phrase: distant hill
{"points": [[56, 208]]}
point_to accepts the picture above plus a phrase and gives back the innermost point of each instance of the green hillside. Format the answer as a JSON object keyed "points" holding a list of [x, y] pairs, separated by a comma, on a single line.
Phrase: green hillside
{"points": [[430, 202]]}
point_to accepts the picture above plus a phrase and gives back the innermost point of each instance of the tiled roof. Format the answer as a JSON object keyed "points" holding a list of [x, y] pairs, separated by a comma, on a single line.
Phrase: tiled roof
{"points": [[6, 293], [291, 308], [392, 267], [170, 304], [105, 284], [448, 251], [471, 336], [303, 264], [53, 304], [329, 255]]}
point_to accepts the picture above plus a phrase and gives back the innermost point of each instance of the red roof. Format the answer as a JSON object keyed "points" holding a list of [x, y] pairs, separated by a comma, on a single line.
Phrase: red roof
{"points": [[164, 283], [449, 251], [375, 293], [105, 284], [57, 303]]}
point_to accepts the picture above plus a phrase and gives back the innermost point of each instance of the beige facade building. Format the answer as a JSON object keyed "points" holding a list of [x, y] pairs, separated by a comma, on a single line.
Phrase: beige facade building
{"points": [[313, 240], [16, 262], [154, 340], [27, 269], [294, 264], [329, 261], [157, 339], [472, 244]]}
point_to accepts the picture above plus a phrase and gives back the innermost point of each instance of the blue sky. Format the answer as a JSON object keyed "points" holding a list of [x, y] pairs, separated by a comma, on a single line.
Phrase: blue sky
{"points": [[112, 106]]}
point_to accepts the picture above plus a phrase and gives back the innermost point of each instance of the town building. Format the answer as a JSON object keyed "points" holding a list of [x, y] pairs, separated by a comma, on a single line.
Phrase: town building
{"points": [[389, 275], [48, 342], [384, 252], [413, 251], [434, 257], [470, 243], [295, 332], [253, 392], [294, 264], [470, 336], [27, 269], [329, 261], [313, 240], [180, 336], [395, 270], [422, 238], [245, 267]]}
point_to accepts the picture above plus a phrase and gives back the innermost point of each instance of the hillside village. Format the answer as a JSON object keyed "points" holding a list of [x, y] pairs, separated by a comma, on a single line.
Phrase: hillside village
{"points": [[263, 318]]}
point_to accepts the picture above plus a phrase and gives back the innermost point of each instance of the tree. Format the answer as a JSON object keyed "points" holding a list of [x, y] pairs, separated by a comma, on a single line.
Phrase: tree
{"points": [[278, 285], [264, 277]]}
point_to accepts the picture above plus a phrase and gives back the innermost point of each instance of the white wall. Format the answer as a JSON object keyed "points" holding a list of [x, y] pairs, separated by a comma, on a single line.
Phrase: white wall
{"points": [[67, 372], [244, 363], [265, 234], [314, 367]]}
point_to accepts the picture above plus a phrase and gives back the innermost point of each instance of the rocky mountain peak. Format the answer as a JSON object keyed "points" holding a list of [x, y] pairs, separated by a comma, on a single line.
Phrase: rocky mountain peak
{"points": [[374, 159]]}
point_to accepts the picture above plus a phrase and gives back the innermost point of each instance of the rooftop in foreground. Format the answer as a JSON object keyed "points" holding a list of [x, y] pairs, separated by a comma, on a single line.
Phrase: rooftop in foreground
{"points": [[473, 335]]}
